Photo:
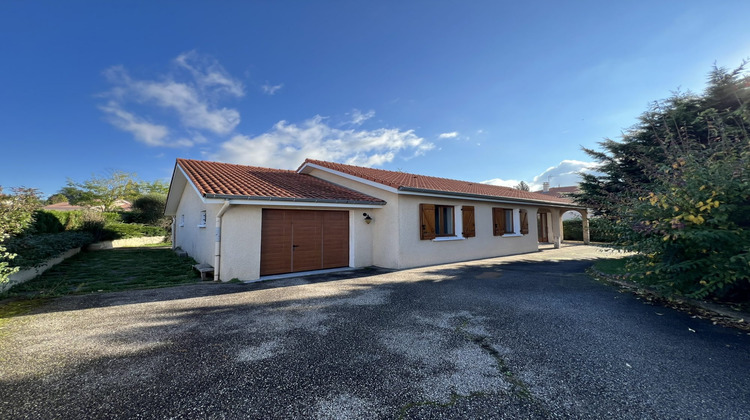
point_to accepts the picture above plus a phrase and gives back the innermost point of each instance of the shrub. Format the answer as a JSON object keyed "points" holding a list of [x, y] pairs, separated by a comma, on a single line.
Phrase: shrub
{"points": [[692, 229], [94, 223], [112, 217], [600, 230], [32, 250], [149, 209], [47, 222], [16, 215]]}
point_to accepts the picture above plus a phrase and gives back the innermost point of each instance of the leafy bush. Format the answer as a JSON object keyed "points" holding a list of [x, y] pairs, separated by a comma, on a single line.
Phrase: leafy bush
{"points": [[94, 223], [692, 230], [149, 209], [16, 215], [32, 250], [600, 230], [70, 220], [47, 222]]}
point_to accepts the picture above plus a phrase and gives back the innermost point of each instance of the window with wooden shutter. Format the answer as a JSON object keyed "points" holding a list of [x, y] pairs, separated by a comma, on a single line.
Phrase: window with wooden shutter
{"points": [[467, 219], [524, 222], [502, 221], [427, 221], [498, 221]]}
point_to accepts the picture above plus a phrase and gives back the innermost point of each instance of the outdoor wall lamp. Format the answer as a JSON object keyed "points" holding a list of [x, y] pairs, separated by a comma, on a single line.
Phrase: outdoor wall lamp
{"points": [[368, 219]]}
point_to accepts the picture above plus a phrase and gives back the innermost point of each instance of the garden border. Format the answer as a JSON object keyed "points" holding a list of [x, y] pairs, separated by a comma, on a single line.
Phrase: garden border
{"points": [[22, 276]]}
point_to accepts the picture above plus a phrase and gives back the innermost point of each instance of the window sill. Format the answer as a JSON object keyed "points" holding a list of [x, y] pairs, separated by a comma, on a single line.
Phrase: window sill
{"points": [[511, 235], [448, 238], [201, 226]]}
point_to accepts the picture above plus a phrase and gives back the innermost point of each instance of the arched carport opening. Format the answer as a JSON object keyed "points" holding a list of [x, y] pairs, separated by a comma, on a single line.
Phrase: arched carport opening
{"points": [[550, 225]]}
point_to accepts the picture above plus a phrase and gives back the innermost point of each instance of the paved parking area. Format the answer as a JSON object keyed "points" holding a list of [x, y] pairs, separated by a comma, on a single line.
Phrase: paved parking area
{"points": [[518, 337]]}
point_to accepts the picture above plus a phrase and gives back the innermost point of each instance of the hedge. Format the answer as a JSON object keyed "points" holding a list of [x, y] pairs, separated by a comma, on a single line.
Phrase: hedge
{"points": [[33, 250], [600, 230], [54, 221]]}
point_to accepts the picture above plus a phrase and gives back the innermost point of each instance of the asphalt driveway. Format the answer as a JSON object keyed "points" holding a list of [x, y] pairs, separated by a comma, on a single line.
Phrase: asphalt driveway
{"points": [[521, 337]]}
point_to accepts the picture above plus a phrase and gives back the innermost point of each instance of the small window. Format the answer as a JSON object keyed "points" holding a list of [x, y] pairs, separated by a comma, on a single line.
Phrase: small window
{"points": [[436, 220], [502, 221], [509, 221], [203, 219], [444, 221], [182, 220]]}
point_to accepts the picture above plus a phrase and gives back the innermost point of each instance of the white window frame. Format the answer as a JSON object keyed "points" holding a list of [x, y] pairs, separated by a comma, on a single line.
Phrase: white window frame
{"points": [[203, 219]]}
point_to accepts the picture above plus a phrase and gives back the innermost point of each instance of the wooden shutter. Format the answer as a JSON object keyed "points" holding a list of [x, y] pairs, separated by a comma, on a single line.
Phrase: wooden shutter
{"points": [[524, 223], [467, 219], [427, 221], [498, 221]]}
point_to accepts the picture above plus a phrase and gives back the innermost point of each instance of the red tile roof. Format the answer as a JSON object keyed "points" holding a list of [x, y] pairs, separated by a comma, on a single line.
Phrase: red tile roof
{"points": [[214, 179], [406, 181]]}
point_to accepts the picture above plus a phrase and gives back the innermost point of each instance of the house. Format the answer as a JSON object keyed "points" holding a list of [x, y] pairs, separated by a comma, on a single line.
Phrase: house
{"points": [[250, 222]]}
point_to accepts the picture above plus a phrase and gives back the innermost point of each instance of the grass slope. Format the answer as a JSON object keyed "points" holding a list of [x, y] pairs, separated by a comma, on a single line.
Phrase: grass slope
{"points": [[109, 271]]}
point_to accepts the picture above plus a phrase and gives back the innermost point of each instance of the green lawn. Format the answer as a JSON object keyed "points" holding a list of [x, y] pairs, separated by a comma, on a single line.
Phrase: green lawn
{"points": [[109, 271], [615, 266]]}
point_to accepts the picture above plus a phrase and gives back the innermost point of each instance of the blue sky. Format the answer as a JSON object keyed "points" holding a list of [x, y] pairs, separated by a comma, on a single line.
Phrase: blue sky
{"points": [[480, 90]]}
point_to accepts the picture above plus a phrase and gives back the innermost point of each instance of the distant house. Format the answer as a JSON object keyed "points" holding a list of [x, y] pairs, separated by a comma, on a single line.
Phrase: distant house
{"points": [[250, 222], [63, 206], [121, 205]]}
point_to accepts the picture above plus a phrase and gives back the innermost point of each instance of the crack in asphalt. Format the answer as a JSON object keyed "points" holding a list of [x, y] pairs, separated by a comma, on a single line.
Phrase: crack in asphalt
{"points": [[519, 388], [455, 397]]}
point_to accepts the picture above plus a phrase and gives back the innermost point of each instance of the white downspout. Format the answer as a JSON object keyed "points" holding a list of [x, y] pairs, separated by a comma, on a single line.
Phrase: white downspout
{"points": [[217, 248]]}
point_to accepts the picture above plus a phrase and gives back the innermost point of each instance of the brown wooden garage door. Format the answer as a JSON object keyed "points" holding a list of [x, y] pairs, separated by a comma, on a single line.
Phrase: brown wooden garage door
{"points": [[303, 240]]}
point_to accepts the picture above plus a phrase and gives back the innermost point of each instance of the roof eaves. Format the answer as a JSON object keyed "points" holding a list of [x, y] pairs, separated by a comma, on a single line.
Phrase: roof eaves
{"points": [[491, 197], [293, 199]]}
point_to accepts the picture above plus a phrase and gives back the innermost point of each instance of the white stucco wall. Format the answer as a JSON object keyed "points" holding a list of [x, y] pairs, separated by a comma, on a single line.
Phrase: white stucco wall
{"points": [[385, 225], [240, 242], [396, 232], [196, 241], [417, 252]]}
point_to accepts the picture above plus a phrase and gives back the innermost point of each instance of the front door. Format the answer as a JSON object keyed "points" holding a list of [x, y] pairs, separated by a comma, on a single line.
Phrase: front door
{"points": [[541, 223]]}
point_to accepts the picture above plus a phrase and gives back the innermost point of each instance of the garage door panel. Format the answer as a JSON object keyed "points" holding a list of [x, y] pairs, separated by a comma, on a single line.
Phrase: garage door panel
{"points": [[307, 228], [276, 243], [303, 240], [335, 239]]}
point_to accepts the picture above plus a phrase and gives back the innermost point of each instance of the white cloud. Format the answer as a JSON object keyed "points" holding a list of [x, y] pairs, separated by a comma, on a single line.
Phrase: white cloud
{"points": [[209, 74], [146, 132], [191, 97], [287, 145], [564, 174], [270, 89], [358, 117], [502, 182], [181, 109], [451, 135]]}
